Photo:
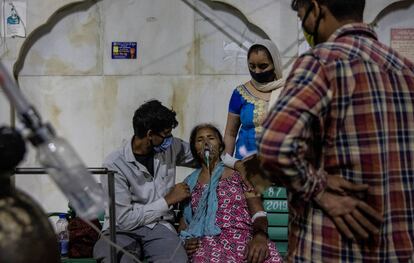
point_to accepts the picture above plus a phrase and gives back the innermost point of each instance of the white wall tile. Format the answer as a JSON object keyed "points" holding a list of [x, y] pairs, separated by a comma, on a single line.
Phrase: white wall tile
{"points": [[163, 31], [374, 7], [398, 18], [39, 11], [275, 18], [72, 47], [201, 99], [75, 108]]}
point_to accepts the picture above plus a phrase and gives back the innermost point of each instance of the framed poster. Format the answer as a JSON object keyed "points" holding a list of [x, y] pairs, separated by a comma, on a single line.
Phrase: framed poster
{"points": [[402, 40], [124, 50]]}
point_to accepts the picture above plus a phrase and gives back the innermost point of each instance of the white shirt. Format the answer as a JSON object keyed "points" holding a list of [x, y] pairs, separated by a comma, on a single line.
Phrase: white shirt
{"points": [[139, 196]]}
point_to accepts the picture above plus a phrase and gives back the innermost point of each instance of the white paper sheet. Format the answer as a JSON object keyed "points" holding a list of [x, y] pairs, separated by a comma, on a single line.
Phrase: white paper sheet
{"points": [[14, 20]]}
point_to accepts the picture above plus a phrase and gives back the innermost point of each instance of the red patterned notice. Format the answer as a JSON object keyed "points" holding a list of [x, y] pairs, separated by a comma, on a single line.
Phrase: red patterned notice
{"points": [[402, 40]]}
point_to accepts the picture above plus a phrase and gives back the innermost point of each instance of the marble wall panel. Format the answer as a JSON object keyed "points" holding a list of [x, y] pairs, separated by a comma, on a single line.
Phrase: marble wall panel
{"points": [[123, 95], [39, 11], [398, 18], [374, 7], [74, 107], [201, 99], [72, 47], [275, 18], [257, 9], [163, 31], [223, 36], [196, 100]]}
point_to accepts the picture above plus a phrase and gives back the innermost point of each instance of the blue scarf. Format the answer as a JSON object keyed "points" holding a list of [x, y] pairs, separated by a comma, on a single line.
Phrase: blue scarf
{"points": [[203, 222]]}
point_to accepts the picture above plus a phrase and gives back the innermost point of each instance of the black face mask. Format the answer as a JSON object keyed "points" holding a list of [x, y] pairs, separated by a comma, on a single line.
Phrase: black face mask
{"points": [[263, 77]]}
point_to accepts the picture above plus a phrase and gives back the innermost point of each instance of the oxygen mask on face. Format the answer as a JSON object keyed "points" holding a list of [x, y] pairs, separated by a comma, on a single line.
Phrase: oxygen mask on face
{"points": [[207, 151]]}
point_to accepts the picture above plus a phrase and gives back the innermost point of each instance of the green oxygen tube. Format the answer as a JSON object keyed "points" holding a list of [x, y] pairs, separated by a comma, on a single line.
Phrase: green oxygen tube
{"points": [[207, 158]]}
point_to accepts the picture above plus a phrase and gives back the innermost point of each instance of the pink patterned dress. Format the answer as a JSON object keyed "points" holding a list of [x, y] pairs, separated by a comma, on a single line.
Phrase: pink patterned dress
{"points": [[234, 220]]}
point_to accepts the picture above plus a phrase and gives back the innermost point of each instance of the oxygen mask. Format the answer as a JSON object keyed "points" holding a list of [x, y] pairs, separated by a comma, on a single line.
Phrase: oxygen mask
{"points": [[207, 151]]}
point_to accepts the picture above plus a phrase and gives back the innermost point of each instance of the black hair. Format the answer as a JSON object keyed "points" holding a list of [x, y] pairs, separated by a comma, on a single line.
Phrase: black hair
{"points": [[256, 48], [340, 9], [12, 148], [194, 135], [152, 115]]}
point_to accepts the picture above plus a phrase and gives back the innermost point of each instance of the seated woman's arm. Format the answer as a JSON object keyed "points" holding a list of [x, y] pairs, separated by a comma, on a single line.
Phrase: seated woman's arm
{"points": [[257, 249], [181, 225], [255, 205], [192, 244]]}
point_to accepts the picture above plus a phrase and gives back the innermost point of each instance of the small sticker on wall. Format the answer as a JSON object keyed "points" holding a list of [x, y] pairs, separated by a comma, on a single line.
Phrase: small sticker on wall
{"points": [[14, 18], [124, 50]]}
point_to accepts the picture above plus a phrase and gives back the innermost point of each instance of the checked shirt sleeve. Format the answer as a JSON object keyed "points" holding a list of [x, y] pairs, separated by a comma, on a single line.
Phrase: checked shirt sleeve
{"points": [[287, 134]]}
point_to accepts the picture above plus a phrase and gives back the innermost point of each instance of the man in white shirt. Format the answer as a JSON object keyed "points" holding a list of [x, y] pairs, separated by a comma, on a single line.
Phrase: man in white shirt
{"points": [[145, 188]]}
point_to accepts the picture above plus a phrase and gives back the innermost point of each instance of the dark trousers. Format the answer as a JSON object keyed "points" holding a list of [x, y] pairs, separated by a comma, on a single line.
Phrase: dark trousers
{"points": [[159, 244]]}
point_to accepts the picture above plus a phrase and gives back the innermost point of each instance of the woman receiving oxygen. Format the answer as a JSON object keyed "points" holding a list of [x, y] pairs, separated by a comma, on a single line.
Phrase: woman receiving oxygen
{"points": [[224, 221]]}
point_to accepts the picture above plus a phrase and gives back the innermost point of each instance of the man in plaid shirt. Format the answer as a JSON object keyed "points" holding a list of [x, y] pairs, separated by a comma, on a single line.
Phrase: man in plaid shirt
{"points": [[341, 140]]}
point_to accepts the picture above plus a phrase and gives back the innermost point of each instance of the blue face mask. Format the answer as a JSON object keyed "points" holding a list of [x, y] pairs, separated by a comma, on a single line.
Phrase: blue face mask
{"points": [[166, 143]]}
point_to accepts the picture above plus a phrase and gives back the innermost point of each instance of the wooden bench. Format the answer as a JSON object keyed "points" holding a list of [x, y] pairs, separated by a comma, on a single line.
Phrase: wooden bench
{"points": [[276, 205]]}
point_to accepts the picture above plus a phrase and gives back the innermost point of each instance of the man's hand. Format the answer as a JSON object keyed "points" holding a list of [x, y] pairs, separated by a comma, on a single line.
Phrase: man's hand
{"points": [[239, 167], [257, 250], [179, 193], [252, 174], [191, 245], [339, 185], [353, 218]]}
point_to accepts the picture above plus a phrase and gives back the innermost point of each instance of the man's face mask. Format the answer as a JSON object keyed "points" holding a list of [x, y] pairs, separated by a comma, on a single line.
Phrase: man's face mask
{"points": [[164, 145], [311, 37], [263, 77]]}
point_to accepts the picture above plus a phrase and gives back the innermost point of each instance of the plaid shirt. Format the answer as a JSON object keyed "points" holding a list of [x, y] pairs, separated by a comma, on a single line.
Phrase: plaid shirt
{"points": [[347, 109]]}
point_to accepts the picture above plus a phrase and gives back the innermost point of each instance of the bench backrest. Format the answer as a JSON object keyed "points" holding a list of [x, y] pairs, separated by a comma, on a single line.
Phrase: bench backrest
{"points": [[276, 205]]}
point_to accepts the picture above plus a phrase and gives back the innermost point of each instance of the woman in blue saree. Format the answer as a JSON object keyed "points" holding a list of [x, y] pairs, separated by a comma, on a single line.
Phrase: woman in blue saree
{"points": [[250, 101]]}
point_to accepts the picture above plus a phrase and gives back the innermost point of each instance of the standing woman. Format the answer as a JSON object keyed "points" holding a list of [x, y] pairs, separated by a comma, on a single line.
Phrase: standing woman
{"points": [[250, 102]]}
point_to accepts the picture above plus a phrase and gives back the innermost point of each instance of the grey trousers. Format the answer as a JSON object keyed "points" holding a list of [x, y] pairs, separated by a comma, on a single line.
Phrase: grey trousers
{"points": [[159, 244]]}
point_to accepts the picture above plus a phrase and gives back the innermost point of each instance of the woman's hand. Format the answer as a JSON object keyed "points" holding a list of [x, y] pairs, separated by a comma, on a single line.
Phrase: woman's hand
{"points": [[257, 249], [182, 225], [191, 245]]}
